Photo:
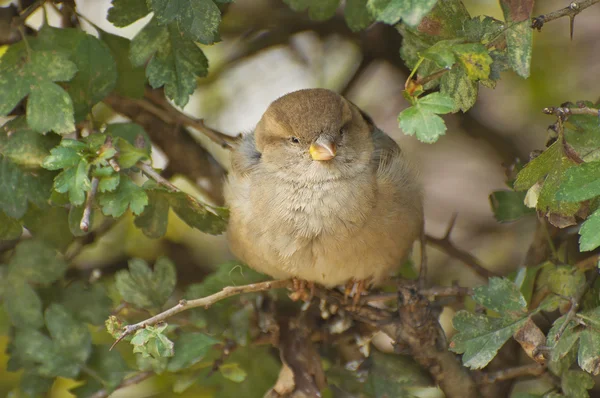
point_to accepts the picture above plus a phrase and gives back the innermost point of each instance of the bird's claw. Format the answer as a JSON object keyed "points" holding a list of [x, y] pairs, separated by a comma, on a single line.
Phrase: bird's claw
{"points": [[302, 290], [355, 289]]}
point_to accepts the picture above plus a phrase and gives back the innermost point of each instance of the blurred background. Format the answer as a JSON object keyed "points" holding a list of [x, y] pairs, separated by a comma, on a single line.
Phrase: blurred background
{"points": [[268, 50]]}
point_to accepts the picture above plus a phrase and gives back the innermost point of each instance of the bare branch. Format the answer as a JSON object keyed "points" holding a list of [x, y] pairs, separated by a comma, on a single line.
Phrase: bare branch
{"points": [[138, 378], [150, 172], [84, 225], [467, 258], [533, 369], [570, 11], [205, 302], [566, 111]]}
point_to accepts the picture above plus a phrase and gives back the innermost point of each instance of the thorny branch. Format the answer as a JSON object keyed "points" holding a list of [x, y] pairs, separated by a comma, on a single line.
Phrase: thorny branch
{"points": [[570, 11]]}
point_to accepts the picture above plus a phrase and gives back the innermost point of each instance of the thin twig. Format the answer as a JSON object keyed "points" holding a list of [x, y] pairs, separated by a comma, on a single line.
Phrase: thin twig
{"points": [[570, 11], [533, 369], [575, 301], [138, 378], [566, 111], [205, 302], [426, 79], [177, 117], [150, 172], [84, 225], [27, 13]]}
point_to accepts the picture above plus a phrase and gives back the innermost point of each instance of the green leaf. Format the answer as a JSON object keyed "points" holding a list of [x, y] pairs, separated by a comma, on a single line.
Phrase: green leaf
{"points": [[197, 19], [538, 168], [9, 227], [482, 29], [479, 337], [176, 61], [233, 372], [61, 158], [475, 58], [144, 288], [318, 10], [50, 108], [436, 103], [130, 79], [196, 215], [75, 181], [357, 15], [575, 383], [23, 146], [108, 182], [561, 347], [391, 11], [125, 12], [18, 188], [509, 205], [34, 385], [151, 342], [132, 133], [589, 351], [394, 375], [519, 39], [501, 295], [154, 220], [426, 125], [96, 69], [547, 197], [34, 261], [22, 304], [190, 349], [127, 195], [442, 53], [106, 365], [590, 233], [35, 71], [129, 155], [88, 303], [49, 225], [457, 85], [71, 337], [580, 183]]}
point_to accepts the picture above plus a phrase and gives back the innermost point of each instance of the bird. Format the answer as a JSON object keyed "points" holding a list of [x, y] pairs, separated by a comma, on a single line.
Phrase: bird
{"points": [[319, 194]]}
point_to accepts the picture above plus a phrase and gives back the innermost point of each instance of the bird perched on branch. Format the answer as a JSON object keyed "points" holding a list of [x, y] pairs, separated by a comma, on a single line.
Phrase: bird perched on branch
{"points": [[319, 194]]}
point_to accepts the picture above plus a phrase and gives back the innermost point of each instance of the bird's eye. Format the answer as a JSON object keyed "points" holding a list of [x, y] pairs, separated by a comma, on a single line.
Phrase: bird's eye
{"points": [[342, 131], [294, 140]]}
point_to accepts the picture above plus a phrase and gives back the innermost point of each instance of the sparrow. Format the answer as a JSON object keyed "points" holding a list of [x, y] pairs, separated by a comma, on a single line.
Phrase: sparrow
{"points": [[318, 193]]}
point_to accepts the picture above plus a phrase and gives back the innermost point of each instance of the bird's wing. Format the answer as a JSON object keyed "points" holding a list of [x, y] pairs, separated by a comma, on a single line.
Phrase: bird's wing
{"points": [[386, 152], [246, 157]]}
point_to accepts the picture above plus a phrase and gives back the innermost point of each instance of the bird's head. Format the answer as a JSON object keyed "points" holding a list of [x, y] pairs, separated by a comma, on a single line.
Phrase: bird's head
{"points": [[314, 134]]}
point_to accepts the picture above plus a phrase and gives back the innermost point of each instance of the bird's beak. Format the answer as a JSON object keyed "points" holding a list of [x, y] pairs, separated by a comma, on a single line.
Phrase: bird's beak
{"points": [[322, 150]]}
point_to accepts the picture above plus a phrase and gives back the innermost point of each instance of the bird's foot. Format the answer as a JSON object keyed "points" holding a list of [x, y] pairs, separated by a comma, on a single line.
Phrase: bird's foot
{"points": [[355, 289], [302, 290]]}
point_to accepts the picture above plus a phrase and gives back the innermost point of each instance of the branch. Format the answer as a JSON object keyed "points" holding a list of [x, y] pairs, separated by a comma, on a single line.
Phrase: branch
{"points": [[205, 302], [138, 378], [571, 11], [575, 301], [566, 111], [84, 225], [533, 369], [150, 172]]}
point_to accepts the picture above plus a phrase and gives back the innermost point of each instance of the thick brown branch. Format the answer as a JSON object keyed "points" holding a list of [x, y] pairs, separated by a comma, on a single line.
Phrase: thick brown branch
{"points": [[205, 302], [138, 378], [533, 369], [467, 258]]}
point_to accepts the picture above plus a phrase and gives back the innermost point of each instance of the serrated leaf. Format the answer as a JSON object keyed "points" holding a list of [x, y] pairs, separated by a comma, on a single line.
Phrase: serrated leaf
{"points": [[129, 155], [50, 108], [482, 29], [436, 103], [519, 39], [318, 10], [9, 227], [538, 168], [23, 71], [580, 183], [23, 305], [33, 385], [61, 158], [575, 383], [23, 146], [176, 61], [154, 220], [479, 337], [71, 337], [475, 58], [357, 15], [151, 342], [547, 198], [36, 262], [130, 79], [441, 53], [457, 85], [391, 11], [96, 69], [589, 351], [127, 195], [501, 295], [125, 12], [196, 215], [145, 288], [109, 371], [590, 233], [509, 205], [18, 188], [88, 303], [190, 349], [426, 125], [197, 19], [132, 133], [561, 347], [75, 181], [582, 132]]}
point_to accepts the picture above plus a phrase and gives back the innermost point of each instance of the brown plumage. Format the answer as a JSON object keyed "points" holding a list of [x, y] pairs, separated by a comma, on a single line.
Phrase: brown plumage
{"points": [[318, 193]]}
